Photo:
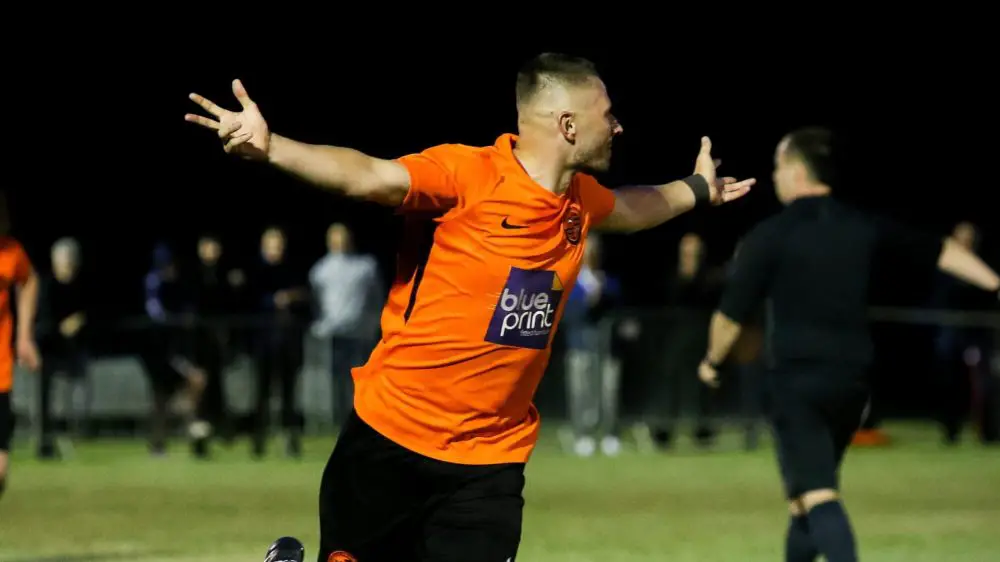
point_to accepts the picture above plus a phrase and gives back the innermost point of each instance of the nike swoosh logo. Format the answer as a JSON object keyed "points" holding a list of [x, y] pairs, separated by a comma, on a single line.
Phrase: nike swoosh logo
{"points": [[509, 226]]}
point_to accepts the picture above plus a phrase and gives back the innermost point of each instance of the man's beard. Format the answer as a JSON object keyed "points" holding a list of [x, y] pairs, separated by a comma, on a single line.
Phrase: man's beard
{"points": [[598, 160]]}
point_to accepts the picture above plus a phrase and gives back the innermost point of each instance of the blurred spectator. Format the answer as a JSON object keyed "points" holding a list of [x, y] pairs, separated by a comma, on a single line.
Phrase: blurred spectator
{"points": [[166, 354], [962, 352], [349, 291], [62, 332], [693, 293], [593, 374], [213, 301], [281, 296]]}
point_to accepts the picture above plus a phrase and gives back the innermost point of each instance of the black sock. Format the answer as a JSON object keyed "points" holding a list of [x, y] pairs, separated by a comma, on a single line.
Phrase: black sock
{"points": [[799, 545], [831, 532]]}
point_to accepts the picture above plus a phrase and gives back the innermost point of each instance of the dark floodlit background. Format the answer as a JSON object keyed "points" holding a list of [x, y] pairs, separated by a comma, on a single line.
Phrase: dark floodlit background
{"points": [[145, 175]]}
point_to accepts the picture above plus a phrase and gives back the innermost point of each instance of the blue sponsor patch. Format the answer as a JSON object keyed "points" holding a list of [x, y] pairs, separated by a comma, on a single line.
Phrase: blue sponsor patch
{"points": [[525, 313]]}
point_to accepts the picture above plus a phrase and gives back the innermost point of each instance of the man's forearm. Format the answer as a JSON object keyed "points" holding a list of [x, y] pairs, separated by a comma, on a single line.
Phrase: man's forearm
{"points": [[27, 306], [639, 208], [346, 170], [722, 335], [959, 262], [680, 199]]}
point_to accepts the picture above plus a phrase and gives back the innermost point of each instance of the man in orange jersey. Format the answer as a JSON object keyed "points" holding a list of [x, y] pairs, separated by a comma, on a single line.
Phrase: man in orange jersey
{"points": [[15, 270], [430, 466]]}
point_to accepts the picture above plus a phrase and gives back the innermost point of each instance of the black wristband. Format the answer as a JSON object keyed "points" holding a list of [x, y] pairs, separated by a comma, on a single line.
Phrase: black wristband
{"points": [[699, 185]]}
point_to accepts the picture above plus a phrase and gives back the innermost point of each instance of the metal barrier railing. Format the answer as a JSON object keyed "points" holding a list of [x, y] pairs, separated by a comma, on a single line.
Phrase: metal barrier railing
{"points": [[658, 350]]}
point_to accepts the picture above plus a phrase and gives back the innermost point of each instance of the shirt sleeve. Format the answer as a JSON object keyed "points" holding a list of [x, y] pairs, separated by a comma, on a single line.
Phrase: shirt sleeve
{"points": [[754, 266], [436, 178], [22, 265], [896, 240], [597, 200]]}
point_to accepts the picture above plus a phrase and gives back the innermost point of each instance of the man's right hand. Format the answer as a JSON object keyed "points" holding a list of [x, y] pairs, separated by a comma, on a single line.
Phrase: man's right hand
{"points": [[244, 133]]}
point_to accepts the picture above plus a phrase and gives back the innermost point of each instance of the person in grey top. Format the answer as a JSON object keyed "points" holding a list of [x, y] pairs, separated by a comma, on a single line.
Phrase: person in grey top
{"points": [[349, 291]]}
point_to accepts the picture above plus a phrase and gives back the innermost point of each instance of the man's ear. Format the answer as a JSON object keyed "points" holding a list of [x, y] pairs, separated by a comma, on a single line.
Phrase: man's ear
{"points": [[800, 172], [567, 126]]}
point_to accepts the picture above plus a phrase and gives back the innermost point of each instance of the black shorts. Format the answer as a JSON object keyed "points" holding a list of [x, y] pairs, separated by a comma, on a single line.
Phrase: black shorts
{"points": [[814, 419], [6, 421], [380, 502]]}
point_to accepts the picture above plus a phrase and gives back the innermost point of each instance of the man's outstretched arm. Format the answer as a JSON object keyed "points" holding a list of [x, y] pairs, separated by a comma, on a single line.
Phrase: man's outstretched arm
{"points": [[345, 170], [950, 257], [642, 207], [957, 261]]}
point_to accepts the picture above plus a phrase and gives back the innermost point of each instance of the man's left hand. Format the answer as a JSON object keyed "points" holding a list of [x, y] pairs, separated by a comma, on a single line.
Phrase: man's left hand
{"points": [[723, 190]]}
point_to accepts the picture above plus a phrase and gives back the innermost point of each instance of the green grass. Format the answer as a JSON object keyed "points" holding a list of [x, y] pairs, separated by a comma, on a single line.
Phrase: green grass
{"points": [[912, 502]]}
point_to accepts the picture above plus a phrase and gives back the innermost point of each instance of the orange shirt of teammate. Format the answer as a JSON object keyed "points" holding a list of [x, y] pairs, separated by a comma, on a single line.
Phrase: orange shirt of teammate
{"points": [[15, 269], [487, 261]]}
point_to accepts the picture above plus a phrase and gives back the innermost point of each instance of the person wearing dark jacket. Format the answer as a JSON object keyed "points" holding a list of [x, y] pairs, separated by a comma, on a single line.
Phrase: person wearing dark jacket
{"points": [[62, 335], [282, 302]]}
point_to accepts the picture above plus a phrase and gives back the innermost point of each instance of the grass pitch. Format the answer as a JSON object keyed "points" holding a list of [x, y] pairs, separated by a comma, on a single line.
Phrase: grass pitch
{"points": [[914, 501]]}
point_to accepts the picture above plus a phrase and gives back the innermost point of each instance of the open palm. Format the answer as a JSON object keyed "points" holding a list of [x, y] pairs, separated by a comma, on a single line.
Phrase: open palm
{"points": [[723, 190], [244, 133]]}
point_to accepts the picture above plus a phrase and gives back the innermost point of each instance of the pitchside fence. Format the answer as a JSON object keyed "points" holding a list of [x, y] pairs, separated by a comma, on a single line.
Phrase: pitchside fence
{"points": [[657, 351]]}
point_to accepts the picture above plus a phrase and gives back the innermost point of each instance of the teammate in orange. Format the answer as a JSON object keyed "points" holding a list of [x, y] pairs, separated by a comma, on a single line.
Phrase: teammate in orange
{"points": [[431, 464], [15, 270]]}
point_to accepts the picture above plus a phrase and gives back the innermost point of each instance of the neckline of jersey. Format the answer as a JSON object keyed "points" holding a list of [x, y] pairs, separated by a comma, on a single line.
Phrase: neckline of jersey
{"points": [[505, 147]]}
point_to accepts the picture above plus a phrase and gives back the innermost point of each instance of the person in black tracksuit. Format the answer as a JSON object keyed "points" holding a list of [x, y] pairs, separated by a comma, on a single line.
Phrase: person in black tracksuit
{"points": [[213, 289], [62, 329], [963, 374], [167, 356], [281, 297], [810, 266]]}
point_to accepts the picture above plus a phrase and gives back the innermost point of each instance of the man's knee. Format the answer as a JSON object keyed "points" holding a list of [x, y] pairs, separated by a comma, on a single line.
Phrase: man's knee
{"points": [[813, 498]]}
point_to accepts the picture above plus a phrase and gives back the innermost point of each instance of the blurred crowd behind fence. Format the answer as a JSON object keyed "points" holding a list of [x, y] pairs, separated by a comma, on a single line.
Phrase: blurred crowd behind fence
{"points": [[656, 352]]}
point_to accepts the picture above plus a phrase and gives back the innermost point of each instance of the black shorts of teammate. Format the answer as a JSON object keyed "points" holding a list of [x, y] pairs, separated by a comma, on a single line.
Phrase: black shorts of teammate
{"points": [[380, 502], [814, 416], [6, 421]]}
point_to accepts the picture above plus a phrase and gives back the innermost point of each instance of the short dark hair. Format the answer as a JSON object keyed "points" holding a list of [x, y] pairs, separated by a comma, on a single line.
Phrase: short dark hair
{"points": [[819, 149], [552, 67]]}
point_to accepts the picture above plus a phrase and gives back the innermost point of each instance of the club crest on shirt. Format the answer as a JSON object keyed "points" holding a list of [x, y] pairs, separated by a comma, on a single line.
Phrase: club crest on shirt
{"points": [[573, 226], [525, 313]]}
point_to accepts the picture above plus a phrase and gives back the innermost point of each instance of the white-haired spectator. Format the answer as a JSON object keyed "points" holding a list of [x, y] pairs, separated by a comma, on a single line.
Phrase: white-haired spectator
{"points": [[350, 294], [62, 335]]}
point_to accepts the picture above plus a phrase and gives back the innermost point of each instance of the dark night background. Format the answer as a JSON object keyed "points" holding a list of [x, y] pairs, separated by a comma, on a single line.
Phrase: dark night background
{"points": [[134, 172]]}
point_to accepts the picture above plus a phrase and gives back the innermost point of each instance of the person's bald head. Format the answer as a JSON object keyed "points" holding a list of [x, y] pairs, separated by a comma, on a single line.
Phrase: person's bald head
{"points": [[562, 102]]}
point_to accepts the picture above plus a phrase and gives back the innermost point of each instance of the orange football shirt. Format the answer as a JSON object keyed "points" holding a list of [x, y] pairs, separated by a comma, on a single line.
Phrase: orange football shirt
{"points": [[488, 259], [15, 269]]}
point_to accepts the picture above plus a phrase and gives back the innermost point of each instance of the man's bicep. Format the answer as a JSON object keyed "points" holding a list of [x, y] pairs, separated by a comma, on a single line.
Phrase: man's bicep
{"points": [[23, 270], [392, 181]]}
